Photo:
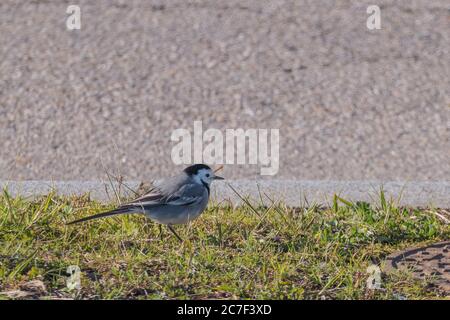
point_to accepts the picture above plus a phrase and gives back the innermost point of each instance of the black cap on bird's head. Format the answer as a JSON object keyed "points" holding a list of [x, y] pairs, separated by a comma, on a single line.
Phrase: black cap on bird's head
{"points": [[195, 168]]}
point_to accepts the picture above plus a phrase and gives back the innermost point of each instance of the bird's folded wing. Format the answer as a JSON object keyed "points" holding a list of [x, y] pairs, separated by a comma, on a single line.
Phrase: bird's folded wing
{"points": [[153, 195], [183, 201], [188, 194]]}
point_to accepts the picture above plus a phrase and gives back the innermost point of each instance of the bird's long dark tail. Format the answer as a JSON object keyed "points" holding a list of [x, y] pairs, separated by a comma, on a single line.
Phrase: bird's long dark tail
{"points": [[104, 214]]}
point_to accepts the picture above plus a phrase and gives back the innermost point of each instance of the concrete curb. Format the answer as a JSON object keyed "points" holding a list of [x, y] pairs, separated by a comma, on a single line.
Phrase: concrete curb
{"points": [[292, 193]]}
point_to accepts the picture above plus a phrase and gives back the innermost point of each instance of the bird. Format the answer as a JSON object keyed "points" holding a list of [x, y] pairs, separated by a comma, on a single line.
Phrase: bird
{"points": [[175, 200]]}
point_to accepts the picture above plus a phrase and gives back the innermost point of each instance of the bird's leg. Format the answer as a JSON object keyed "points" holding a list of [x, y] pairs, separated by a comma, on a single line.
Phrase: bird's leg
{"points": [[173, 231]]}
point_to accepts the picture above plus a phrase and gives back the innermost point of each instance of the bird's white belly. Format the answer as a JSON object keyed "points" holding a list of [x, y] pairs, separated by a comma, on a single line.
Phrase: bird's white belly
{"points": [[178, 215], [174, 219], [183, 219]]}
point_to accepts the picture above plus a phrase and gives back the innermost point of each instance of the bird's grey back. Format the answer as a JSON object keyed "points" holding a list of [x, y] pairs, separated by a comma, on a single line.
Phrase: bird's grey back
{"points": [[180, 187], [181, 190], [173, 184]]}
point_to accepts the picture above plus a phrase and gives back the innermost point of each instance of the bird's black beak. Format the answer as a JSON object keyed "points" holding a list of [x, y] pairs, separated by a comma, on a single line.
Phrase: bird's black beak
{"points": [[218, 178]]}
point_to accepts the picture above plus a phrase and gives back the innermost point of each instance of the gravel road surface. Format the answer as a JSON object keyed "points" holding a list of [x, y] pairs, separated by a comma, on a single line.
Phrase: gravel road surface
{"points": [[351, 103]]}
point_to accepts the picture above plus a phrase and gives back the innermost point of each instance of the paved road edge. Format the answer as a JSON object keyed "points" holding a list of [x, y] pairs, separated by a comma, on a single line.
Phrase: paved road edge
{"points": [[292, 193]]}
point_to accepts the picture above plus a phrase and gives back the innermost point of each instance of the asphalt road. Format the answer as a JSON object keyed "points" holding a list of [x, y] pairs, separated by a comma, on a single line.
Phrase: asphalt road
{"points": [[350, 103]]}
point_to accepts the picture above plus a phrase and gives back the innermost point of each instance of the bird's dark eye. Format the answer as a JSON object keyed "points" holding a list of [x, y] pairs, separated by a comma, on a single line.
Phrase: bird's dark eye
{"points": [[207, 175]]}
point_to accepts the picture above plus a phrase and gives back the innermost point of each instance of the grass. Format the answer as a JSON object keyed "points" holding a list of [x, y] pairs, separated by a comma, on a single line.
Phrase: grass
{"points": [[248, 252]]}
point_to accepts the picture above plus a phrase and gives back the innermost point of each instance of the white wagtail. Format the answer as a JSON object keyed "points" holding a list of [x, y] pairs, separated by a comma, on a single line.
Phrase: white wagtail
{"points": [[175, 200]]}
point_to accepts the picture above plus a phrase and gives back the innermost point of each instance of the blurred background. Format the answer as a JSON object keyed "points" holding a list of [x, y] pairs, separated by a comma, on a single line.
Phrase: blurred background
{"points": [[351, 103]]}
